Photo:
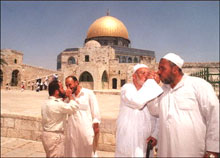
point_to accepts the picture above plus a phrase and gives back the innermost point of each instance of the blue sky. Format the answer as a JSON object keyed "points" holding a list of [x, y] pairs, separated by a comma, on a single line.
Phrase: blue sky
{"points": [[43, 29]]}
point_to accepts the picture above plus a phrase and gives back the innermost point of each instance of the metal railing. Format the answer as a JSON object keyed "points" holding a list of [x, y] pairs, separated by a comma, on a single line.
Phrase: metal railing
{"points": [[212, 78]]}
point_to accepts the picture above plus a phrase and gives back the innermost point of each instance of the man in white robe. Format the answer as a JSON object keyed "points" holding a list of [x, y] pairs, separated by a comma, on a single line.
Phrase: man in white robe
{"points": [[188, 112], [134, 123], [83, 126], [54, 113]]}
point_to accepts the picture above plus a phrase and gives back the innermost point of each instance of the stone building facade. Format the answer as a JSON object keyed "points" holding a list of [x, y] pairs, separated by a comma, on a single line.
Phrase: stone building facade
{"points": [[15, 72], [11, 73], [101, 67]]}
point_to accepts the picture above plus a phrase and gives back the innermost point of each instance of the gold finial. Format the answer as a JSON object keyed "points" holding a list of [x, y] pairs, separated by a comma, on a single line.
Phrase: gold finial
{"points": [[108, 12]]}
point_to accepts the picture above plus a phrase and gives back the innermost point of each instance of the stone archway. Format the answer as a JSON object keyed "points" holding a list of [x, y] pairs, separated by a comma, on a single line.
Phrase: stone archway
{"points": [[14, 78], [86, 80], [129, 60], [71, 60]]}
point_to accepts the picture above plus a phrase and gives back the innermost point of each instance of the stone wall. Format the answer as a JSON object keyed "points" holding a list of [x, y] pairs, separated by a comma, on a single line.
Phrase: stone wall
{"points": [[32, 72], [27, 127], [107, 135], [17, 126]]}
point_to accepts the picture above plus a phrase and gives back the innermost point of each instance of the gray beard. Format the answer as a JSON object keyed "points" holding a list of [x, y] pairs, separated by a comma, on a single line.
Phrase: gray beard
{"points": [[168, 80]]}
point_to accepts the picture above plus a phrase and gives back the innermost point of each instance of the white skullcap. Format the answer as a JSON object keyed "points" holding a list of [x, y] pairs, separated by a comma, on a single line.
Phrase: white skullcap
{"points": [[176, 59], [138, 66]]}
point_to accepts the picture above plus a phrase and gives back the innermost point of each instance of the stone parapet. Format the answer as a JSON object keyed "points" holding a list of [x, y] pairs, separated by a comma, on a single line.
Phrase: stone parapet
{"points": [[28, 127], [201, 64], [110, 92], [18, 126]]}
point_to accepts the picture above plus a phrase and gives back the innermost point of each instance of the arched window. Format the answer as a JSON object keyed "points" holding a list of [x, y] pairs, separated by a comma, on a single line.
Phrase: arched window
{"points": [[71, 60], [114, 83], [15, 61], [123, 59], [129, 60], [87, 58], [85, 77], [105, 42], [123, 82], [104, 77], [14, 78], [135, 60]]}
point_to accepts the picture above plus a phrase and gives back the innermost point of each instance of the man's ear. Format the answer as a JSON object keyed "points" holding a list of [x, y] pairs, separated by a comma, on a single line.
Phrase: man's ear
{"points": [[134, 75], [134, 78], [56, 92], [77, 82]]}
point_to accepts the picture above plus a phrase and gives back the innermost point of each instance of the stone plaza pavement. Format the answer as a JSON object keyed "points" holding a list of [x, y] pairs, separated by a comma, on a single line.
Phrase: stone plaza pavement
{"points": [[21, 114], [16, 147]]}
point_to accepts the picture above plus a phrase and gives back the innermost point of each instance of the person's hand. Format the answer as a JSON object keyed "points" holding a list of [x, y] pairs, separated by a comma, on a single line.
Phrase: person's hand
{"points": [[154, 141], [69, 93], [96, 128], [157, 78], [211, 154], [153, 75]]}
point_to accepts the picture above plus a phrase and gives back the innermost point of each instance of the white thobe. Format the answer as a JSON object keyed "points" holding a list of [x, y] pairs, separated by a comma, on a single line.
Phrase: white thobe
{"points": [[189, 118], [54, 113], [134, 123], [80, 134]]}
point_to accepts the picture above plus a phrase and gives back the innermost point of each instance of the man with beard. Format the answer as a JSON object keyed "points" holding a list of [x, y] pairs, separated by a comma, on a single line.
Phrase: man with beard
{"points": [[54, 113], [134, 123], [188, 111], [83, 126]]}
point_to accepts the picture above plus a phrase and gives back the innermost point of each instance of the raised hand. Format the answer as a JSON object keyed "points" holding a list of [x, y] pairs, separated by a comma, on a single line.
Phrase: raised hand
{"points": [[69, 93]]}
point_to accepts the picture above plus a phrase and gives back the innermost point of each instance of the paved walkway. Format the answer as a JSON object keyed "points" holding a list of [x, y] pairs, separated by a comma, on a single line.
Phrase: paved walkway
{"points": [[15, 147], [28, 103]]}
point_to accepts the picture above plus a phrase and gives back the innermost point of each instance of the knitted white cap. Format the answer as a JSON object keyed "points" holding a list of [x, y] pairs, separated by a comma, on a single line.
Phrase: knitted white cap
{"points": [[138, 66], [176, 59]]}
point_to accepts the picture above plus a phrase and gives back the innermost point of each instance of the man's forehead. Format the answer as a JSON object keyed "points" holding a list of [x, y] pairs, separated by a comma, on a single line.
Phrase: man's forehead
{"points": [[69, 79], [163, 61]]}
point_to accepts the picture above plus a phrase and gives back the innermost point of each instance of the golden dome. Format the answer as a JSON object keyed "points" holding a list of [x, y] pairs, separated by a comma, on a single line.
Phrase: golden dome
{"points": [[107, 26]]}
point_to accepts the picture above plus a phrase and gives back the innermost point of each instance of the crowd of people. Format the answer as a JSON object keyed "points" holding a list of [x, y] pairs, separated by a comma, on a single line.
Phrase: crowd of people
{"points": [[179, 116]]}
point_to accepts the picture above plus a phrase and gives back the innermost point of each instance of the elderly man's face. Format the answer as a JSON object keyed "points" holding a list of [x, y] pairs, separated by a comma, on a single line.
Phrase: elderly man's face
{"points": [[141, 75], [165, 72], [71, 84]]}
